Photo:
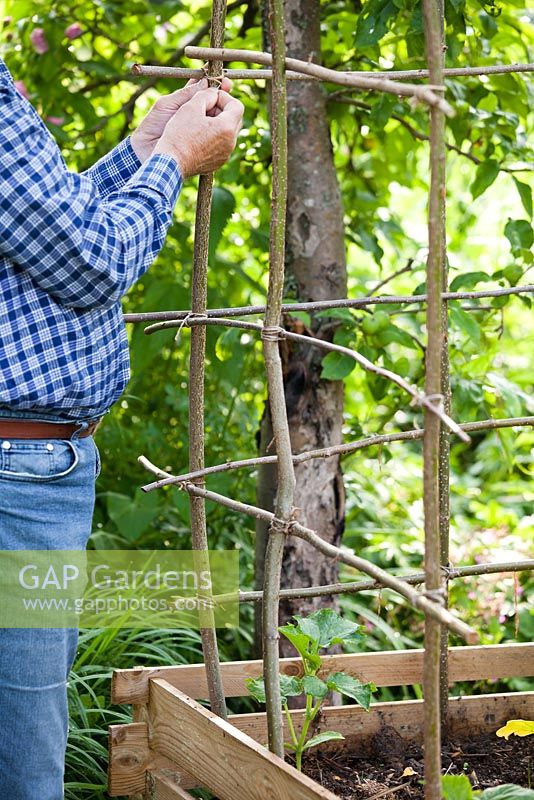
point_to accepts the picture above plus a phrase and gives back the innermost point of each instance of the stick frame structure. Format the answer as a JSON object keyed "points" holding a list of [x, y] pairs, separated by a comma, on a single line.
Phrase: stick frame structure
{"points": [[175, 744]]}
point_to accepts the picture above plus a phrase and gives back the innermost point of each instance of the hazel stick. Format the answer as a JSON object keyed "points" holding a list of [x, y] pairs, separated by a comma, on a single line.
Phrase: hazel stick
{"points": [[433, 25], [199, 536], [423, 93]]}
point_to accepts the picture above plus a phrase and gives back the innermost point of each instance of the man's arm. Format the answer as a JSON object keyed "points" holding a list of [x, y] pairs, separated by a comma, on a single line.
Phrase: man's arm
{"points": [[113, 170], [83, 250]]}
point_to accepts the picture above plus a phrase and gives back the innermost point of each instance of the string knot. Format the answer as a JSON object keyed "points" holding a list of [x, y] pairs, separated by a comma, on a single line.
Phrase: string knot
{"points": [[438, 596], [435, 400], [280, 526], [186, 320], [212, 79], [272, 333]]}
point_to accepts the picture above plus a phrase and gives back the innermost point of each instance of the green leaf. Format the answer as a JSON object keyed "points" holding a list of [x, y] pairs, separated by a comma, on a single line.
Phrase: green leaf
{"points": [[508, 791], [372, 22], [395, 334], [513, 273], [222, 208], [289, 687], [326, 627], [227, 345], [336, 366], [468, 281], [344, 314], [525, 193], [325, 736], [302, 643], [467, 323], [256, 687], [132, 515], [314, 686], [485, 175], [456, 787], [351, 687], [519, 233]]}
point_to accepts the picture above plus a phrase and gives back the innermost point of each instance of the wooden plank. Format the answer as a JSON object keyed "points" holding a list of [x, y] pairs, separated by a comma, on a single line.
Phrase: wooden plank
{"points": [[389, 668], [162, 787], [222, 758], [482, 713], [129, 759]]}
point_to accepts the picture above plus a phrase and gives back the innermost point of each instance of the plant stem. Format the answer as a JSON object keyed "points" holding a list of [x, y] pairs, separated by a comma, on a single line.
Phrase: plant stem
{"points": [[291, 727], [308, 717]]}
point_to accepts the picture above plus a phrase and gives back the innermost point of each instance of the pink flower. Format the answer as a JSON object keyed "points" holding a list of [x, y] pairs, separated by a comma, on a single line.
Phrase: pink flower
{"points": [[38, 40], [20, 86], [73, 31], [56, 120]]}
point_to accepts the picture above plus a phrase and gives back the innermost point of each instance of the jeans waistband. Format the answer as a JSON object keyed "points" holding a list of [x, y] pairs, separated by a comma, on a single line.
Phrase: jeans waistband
{"points": [[44, 416]]}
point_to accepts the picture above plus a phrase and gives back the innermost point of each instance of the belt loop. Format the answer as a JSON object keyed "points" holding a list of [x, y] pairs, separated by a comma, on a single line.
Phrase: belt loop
{"points": [[82, 426]]}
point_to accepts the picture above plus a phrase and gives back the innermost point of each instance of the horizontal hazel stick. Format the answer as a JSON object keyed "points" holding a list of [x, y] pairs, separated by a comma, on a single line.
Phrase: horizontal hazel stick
{"points": [[340, 449], [420, 92], [184, 73], [323, 305], [415, 598], [417, 396], [352, 587]]}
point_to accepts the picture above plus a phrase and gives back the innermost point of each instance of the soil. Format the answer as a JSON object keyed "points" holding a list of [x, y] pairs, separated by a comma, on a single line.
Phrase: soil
{"points": [[380, 772]]}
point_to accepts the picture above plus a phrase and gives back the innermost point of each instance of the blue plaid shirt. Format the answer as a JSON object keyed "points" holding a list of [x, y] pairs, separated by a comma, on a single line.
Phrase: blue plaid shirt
{"points": [[70, 247]]}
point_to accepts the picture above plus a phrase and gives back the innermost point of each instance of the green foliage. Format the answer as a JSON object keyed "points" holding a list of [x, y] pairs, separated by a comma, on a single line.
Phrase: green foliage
{"points": [[458, 787], [308, 635]]}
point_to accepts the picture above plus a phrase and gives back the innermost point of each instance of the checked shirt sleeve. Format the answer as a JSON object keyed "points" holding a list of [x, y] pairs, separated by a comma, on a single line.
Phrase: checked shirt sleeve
{"points": [[82, 249], [114, 169]]}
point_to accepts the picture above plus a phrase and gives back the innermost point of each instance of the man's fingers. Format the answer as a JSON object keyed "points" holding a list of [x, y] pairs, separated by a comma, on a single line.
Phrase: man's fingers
{"points": [[226, 85], [205, 100], [231, 108], [175, 100]]}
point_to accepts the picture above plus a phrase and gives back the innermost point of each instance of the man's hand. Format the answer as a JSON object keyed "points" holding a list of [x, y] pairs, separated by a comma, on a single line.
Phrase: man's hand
{"points": [[148, 133], [202, 134]]}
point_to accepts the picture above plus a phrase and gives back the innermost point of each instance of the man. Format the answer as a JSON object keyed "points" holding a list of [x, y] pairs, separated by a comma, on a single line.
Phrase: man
{"points": [[70, 247]]}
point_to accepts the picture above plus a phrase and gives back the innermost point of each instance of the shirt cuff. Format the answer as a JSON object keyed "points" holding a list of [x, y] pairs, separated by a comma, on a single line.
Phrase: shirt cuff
{"points": [[115, 168], [162, 174]]}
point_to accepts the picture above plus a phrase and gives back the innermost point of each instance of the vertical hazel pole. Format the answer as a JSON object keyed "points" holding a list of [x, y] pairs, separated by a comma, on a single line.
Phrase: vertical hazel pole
{"points": [[433, 387], [199, 535], [273, 365], [444, 440]]}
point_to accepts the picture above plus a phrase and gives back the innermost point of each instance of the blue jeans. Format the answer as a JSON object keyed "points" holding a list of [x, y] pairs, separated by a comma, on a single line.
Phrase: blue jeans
{"points": [[47, 492]]}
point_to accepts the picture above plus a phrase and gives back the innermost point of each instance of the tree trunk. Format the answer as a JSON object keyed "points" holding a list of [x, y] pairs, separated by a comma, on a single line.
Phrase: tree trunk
{"points": [[316, 270]]}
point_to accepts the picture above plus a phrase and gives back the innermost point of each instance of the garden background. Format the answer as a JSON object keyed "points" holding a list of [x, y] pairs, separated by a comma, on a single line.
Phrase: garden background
{"points": [[75, 70]]}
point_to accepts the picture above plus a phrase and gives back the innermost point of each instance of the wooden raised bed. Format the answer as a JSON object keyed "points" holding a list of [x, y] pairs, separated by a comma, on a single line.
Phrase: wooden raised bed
{"points": [[175, 744]]}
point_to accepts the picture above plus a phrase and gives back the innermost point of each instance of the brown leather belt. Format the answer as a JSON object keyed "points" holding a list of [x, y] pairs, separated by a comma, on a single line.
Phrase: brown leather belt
{"points": [[32, 429]]}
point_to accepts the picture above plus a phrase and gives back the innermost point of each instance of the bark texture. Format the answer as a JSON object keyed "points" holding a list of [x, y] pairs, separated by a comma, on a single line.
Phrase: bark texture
{"points": [[315, 270]]}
